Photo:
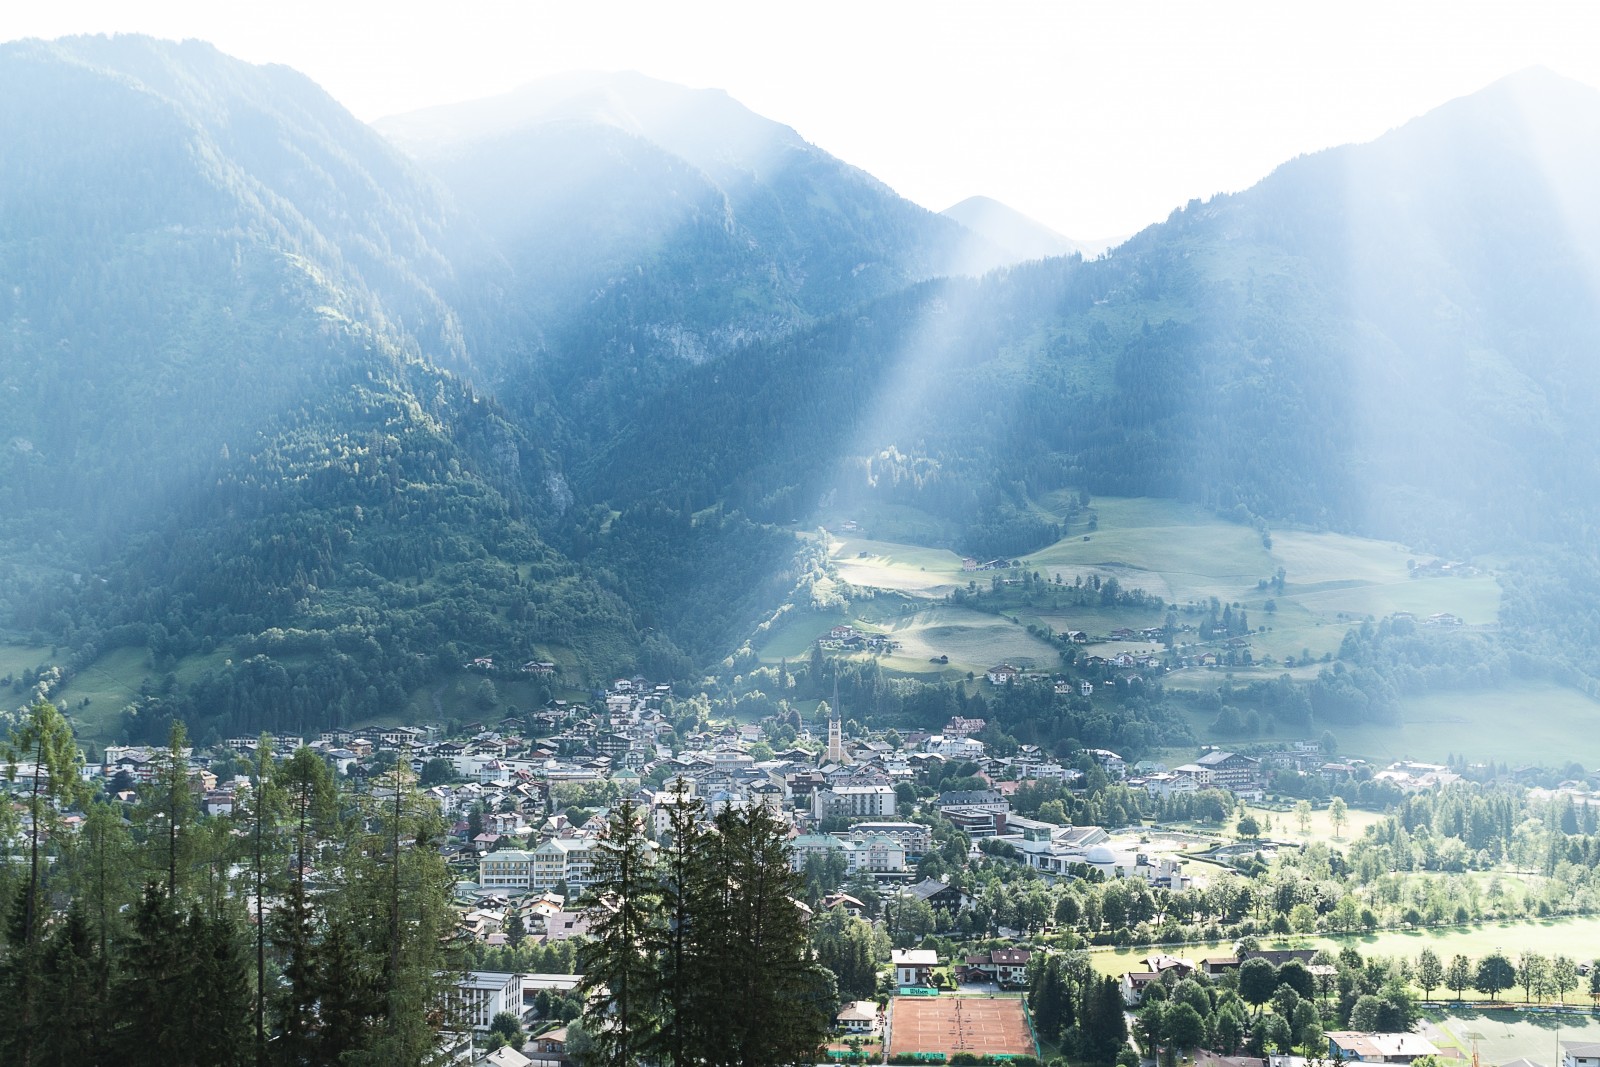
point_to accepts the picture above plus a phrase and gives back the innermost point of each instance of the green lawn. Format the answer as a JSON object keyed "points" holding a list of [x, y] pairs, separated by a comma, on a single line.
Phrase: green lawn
{"points": [[1577, 937], [1286, 828]]}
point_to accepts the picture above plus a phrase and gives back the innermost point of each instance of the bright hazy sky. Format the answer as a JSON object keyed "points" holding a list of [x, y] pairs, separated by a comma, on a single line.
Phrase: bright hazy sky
{"points": [[1095, 118]]}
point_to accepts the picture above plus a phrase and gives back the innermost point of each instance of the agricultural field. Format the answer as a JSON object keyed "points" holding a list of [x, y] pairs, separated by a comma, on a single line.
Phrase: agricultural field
{"points": [[1578, 937], [1185, 555], [974, 641]]}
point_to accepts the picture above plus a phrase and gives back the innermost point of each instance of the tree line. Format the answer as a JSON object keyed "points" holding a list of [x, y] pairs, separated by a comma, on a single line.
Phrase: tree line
{"points": [[310, 926]]}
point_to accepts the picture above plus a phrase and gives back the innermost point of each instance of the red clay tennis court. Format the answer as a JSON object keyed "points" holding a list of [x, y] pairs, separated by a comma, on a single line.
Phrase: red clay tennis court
{"points": [[980, 1025]]}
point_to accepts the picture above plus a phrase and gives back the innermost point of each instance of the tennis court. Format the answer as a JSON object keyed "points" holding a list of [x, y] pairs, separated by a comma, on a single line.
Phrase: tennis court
{"points": [[996, 1026]]}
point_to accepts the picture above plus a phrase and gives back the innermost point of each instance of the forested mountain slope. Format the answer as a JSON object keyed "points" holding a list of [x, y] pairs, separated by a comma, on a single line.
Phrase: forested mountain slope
{"points": [[269, 394], [1393, 338], [228, 392], [648, 225]]}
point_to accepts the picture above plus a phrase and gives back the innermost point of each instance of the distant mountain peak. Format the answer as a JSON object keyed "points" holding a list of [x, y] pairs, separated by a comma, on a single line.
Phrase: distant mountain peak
{"points": [[706, 127], [1022, 237]]}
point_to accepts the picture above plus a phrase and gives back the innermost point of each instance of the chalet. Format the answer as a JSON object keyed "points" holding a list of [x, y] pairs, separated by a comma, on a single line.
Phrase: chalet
{"points": [[1002, 674], [914, 966], [857, 1017], [850, 904], [1134, 983], [942, 896], [1005, 966], [548, 1049]]}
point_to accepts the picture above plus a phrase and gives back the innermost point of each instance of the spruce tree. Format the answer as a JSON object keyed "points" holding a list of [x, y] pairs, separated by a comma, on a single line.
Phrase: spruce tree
{"points": [[43, 742], [622, 904], [306, 786], [680, 941], [72, 997], [774, 1000]]}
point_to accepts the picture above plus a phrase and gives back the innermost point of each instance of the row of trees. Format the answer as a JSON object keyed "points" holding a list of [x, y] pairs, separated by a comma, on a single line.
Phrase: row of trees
{"points": [[1541, 977], [701, 947], [310, 926]]}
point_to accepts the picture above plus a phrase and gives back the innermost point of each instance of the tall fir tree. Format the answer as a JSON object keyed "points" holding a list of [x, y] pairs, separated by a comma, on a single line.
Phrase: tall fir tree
{"points": [[43, 747], [623, 906], [681, 977]]}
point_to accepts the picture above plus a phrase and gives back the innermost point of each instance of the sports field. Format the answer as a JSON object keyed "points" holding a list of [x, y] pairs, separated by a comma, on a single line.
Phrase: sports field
{"points": [[981, 1025], [1502, 1035]]}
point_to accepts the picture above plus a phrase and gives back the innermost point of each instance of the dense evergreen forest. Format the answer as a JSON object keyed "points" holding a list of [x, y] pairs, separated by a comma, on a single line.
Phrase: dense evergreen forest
{"points": [[144, 935]]}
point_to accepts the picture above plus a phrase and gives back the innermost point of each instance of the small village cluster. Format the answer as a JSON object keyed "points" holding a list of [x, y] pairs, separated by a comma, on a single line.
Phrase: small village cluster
{"points": [[523, 848]]}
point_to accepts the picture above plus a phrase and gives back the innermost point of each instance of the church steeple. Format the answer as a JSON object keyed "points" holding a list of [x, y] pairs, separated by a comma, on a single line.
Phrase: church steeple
{"points": [[835, 752]]}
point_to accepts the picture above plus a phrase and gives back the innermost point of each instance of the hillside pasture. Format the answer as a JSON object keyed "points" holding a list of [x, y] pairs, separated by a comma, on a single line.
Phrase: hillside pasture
{"points": [[113, 681], [974, 641], [14, 659], [909, 569], [1185, 555]]}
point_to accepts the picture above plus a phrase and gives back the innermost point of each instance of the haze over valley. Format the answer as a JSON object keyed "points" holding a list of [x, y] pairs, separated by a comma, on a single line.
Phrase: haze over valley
{"points": [[605, 433]]}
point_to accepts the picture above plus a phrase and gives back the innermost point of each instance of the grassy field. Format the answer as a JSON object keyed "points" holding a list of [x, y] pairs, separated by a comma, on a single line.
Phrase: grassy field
{"points": [[974, 641], [113, 681], [17, 658], [1187, 555], [1286, 828], [1577, 937], [928, 572]]}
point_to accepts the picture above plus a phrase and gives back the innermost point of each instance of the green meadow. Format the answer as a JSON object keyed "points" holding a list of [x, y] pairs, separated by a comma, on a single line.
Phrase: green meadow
{"points": [[1578, 937], [1185, 555]]}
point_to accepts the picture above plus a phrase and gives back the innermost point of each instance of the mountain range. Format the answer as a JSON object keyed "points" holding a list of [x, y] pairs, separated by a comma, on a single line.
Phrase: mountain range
{"points": [[549, 376]]}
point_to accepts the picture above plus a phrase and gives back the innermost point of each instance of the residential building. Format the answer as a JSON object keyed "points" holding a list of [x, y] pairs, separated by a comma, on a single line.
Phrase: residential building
{"points": [[914, 966], [510, 869], [482, 995], [854, 802], [562, 859], [857, 1017], [1231, 771]]}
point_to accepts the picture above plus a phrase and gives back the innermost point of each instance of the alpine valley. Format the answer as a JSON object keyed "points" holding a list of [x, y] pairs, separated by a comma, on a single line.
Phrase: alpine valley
{"points": [[300, 417]]}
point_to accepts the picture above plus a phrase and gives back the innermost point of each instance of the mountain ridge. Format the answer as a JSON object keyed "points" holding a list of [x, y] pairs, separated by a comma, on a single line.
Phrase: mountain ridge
{"points": [[272, 388]]}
